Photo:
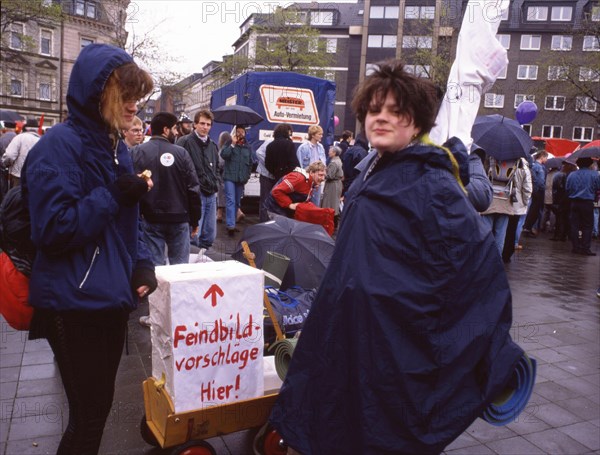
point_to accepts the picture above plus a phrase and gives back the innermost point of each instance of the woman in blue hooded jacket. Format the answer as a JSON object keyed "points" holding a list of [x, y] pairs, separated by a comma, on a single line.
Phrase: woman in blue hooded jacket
{"points": [[91, 265]]}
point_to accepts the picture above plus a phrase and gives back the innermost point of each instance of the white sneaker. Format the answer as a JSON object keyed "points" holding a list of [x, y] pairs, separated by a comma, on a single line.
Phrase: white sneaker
{"points": [[145, 321]]}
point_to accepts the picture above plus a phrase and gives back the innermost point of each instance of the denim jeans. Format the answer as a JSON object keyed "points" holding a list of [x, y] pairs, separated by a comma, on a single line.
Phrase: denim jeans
{"points": [[176, 237], [233, 197], [497, 223], [207, 231]]}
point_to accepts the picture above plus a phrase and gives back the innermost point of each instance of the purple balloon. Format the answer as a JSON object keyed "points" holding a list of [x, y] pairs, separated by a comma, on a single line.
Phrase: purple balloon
{"points": [[526, 112]]}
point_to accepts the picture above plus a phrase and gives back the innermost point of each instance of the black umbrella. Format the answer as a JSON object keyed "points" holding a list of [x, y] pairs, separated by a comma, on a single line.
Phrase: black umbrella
{"points": [[554, 163], [587, 152], [237, 115], [10, 116], [501, 137], [307, 245]]}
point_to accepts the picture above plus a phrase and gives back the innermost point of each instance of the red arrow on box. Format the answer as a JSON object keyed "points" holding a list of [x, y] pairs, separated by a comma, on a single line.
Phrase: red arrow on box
{"points": [[212, 292]]}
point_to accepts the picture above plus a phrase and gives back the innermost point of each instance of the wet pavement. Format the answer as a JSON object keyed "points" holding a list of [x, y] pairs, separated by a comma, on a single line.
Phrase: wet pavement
{"points": [[556, 319]]}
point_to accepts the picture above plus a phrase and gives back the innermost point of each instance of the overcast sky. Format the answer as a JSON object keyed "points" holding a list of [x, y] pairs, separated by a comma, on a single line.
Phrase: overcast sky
{"points": [[196, 31]]}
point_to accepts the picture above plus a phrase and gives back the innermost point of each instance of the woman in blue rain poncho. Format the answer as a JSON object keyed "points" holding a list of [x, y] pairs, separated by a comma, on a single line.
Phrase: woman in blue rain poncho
{"points": [[407, 340]]}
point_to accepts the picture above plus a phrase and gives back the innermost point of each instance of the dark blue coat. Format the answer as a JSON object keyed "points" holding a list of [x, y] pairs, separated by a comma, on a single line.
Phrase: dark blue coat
{"points": [[87, 245], [408, 338]]}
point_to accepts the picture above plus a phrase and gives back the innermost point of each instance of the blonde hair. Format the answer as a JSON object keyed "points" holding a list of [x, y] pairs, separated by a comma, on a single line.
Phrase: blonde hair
{"points": [[127, 82], [315, 129], [316, 167]]}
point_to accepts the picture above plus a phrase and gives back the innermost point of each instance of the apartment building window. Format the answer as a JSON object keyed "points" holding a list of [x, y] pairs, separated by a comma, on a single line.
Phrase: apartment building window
{"points": [[527, 128], [384, 12], [85, 8], [86, 41], [418, 70], [562, 13], [388, 41], [313, 45], [16, 36], [321, 17], [561, 43], [494, 100], [595, 16], [557, 73], [531, 42], [591, 43], [519, 98], [527, 72], [16, 83], [419, 12], [45, 42], [45, 91], [504, 40], [585, 104], [554, 103], [416, 41], [589, 74], [537, 13], [329, 75], [551, 131], [331, 46], [292, 46], [503, 74], [583, 133]]}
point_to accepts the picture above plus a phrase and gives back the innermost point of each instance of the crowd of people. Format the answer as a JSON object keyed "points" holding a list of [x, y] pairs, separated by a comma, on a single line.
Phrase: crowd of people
{"points": [[413, 213]]}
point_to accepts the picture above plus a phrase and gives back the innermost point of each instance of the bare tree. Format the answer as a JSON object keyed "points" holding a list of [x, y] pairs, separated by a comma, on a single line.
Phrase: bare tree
{"points": [[23, 11]]}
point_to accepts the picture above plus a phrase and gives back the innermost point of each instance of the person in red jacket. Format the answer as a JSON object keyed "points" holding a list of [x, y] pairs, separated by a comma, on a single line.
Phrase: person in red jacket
{"points": [[295, 187]]}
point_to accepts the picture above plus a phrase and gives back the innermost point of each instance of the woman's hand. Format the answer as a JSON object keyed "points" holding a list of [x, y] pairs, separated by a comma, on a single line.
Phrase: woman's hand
{"points": [[293, 206], [142, 291]]}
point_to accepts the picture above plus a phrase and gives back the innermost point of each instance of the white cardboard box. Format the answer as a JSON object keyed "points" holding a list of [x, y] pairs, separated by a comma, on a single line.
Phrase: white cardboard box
{"points": [[207, 333]]}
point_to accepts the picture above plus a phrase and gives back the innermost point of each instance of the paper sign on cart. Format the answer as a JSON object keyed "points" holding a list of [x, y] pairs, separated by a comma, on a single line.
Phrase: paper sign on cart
{"points": [[207, 335]]}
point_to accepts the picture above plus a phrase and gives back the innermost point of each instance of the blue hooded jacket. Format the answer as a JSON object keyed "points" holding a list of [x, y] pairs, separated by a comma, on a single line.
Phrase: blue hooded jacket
{"points": [[87, 244], [408, 338]]}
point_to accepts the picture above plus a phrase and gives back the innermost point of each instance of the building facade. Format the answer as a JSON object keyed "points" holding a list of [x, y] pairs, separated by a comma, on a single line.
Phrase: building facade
{"points": [[37, 55]]}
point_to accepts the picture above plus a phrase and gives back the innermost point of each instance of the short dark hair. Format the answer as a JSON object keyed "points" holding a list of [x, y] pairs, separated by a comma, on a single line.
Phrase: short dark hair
{"points": [[283, 130], [347, 134], [162, 120], [203, 113], [415, 97]]}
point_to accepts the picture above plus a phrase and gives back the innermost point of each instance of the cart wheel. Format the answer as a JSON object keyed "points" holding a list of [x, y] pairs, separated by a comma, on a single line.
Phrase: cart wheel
{"points": [[147, 434], [194, 448], [273, 444]]}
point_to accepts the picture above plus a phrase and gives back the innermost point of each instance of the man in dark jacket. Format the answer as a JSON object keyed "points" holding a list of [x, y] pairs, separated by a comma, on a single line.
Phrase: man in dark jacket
{"points": [[173, 205], [582, 186], [205, 156], [538, 177], [351, 158]]}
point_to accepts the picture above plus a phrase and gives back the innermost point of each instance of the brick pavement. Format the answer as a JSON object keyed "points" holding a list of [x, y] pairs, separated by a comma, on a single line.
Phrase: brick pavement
{"points": [[556, 320]]}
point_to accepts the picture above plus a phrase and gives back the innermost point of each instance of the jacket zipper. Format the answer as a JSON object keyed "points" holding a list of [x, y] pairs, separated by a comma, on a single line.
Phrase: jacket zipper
{"points": [[87, 273]]}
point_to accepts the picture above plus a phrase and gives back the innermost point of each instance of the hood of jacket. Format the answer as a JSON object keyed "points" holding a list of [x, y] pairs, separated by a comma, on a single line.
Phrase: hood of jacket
{"points": [[92, 69], [362, 141]]}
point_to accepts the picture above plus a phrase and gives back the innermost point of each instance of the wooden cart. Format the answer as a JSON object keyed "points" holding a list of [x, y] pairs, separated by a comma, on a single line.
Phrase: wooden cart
{"points": [[186, 431], [162, 427]]}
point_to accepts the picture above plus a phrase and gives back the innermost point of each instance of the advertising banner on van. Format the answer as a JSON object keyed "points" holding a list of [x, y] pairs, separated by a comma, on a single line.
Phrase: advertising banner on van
{"points": [[280, 97]]}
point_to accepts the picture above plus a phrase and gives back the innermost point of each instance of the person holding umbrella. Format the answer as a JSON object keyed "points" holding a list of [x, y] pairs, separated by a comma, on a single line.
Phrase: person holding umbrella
{"points": [[236, 172]]}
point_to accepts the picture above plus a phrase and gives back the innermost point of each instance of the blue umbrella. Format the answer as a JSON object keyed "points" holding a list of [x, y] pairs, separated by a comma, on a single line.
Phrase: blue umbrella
{"points": [[501, 137]]}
